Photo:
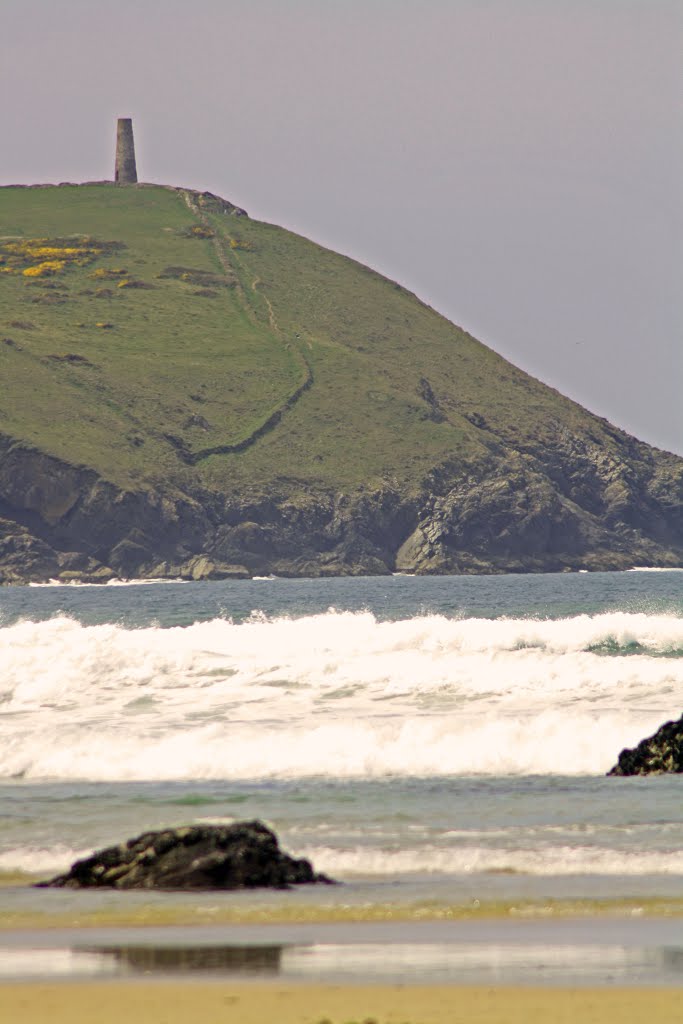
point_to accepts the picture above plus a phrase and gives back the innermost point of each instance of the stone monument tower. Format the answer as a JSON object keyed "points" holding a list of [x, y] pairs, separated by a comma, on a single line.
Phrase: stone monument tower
{"points": [[126, 171]]}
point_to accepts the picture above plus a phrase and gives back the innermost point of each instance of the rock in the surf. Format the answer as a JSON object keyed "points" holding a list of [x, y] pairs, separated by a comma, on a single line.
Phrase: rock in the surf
{"points": [[659, 753], [245, 855]]}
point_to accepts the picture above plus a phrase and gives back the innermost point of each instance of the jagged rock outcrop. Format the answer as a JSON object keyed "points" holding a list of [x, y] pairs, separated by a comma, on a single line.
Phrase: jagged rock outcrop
{"points": [[65, 522], [245, 855], [659, 754], [549, 511], [23, 557]]}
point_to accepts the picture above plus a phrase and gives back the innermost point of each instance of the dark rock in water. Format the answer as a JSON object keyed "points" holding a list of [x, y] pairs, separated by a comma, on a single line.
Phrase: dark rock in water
{"points": [[660, 753], [245, 855]]}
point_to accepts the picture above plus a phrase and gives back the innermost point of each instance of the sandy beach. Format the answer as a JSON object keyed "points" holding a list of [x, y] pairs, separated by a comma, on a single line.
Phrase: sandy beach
{"points": [[247, 1003]]}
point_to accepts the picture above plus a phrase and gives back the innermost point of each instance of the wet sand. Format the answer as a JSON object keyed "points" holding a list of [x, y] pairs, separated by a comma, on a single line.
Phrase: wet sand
{"points": [[608, 952], [24, 907], [277, 1003], [572, 952]]}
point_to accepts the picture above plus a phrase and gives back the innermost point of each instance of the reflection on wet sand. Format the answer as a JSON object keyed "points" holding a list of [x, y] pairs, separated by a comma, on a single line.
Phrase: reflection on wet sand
{"points": [[486, 961], [262, 960]]}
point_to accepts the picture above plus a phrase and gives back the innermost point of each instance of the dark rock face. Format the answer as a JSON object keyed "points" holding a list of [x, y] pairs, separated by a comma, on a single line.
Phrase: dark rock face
{"points": [[568, 505], [24, 557], [51, 513], [245, 855], [660, 753], [564, 505]]}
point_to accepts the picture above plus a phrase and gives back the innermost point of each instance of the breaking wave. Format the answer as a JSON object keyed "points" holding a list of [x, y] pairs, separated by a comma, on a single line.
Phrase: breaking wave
{"points": [[335, 694]]}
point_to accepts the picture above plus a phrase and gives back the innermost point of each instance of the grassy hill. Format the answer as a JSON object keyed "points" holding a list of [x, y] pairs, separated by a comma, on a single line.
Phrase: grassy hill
{"points": [[179, 380]]}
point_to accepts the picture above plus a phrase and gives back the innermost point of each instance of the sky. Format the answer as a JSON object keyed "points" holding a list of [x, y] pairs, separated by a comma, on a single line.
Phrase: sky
{"points": [[518, 164]]}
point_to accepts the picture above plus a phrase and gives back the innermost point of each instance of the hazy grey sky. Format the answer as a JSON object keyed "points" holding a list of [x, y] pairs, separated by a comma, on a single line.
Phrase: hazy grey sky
{"points": [[517, 163]]}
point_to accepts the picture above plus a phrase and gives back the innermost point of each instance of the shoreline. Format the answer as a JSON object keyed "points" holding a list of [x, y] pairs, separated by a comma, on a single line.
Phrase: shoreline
{"points": [[135, 581], [171, 1002], [151, 915]]}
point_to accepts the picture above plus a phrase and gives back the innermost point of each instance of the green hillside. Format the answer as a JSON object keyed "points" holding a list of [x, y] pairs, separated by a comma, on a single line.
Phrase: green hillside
{"points": [[165, 345]]}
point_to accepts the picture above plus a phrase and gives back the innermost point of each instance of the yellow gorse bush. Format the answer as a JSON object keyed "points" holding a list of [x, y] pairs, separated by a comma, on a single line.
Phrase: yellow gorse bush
{"points": [[41, 257], [45, 268], [54, 251], [107, 272]]}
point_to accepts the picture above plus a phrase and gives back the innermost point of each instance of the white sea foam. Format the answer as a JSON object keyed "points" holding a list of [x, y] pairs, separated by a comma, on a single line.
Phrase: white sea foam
{"points": [[363, 861], [38, 860], [336, 694], [655, 568], [371, 861], [115, 582]]}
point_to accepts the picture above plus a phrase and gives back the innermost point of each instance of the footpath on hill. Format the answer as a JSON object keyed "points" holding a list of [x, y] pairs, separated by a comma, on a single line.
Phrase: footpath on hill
{"points": [[276, 415]]}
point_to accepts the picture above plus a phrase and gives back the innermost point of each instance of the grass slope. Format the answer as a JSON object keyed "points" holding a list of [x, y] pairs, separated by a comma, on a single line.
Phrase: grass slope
{"points": [[394, 387], [166, 359]]}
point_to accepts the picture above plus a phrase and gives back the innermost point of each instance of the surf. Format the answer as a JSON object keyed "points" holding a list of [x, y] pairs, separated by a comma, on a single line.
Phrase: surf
{"points": [[338, 694]]}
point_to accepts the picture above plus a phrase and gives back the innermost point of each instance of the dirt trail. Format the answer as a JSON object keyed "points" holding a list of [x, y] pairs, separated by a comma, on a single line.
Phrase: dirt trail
{"points": [[272, 420]]}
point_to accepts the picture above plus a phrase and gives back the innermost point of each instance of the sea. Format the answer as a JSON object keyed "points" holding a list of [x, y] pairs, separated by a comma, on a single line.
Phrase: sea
{"points": [[437, 744]]}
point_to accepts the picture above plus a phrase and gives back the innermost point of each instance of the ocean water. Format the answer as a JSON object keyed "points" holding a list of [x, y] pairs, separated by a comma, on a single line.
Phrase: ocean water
{"points": [[438, 742]]}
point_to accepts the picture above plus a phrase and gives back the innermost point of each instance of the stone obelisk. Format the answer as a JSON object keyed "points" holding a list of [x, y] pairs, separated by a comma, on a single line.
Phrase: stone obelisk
{"points": [[125, 172]]}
